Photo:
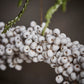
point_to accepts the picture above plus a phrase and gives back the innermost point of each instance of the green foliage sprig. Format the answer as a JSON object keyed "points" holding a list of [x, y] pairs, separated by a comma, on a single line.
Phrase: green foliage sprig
{"points": [[20, 3], [17, 18], [48, 16], [52, 10], [64, 5]]}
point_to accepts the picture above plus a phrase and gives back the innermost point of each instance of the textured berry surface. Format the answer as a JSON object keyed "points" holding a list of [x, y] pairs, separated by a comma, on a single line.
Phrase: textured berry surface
{"points": [[21, 44]]}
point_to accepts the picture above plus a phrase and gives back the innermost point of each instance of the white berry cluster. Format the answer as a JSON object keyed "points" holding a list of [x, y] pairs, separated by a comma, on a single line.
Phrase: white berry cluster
{"points": [[21, 44]]}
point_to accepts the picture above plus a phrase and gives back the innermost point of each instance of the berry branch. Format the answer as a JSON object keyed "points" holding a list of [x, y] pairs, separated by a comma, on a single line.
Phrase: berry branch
{"points": [[52, 10], [26, 44], [17, 18]]}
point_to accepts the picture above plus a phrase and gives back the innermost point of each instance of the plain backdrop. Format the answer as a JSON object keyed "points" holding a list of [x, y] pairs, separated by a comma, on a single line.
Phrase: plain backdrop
{"points": [[71, 22]]}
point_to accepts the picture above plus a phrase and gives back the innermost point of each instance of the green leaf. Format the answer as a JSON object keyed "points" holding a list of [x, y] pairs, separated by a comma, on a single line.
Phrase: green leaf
{"points": [[50, 12], [64, 5], [20, 3]]}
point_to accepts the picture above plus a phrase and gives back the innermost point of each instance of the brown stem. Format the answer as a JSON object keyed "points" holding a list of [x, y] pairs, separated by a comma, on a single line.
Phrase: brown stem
{"points": [[41, 10]]}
